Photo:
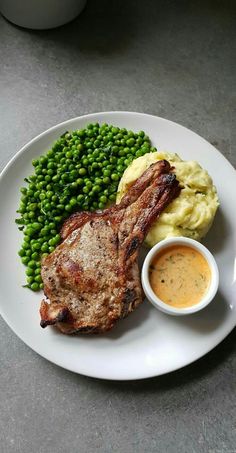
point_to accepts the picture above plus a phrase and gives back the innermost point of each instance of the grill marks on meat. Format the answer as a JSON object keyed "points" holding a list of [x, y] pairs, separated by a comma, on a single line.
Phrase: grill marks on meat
{"points": [[92, 278]]}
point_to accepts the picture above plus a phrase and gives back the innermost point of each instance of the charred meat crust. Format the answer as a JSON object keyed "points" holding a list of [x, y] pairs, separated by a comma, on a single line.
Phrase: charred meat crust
{"points": [[62, 314], [132, 247]]}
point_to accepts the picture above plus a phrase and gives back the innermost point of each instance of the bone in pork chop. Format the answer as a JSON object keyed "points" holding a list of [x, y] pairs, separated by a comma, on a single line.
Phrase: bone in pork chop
{"points": [[92, 280]]}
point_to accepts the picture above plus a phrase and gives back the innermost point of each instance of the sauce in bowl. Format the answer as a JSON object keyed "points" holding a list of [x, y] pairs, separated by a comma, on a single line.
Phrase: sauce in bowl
{"points": [[179, 275]]}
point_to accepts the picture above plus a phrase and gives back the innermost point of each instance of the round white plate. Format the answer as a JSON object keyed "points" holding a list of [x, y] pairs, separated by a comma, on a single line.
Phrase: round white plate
{"points": [[147, 343]]}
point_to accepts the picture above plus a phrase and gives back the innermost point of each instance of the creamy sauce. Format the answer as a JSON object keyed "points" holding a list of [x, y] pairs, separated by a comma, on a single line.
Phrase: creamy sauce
{"points": [[180, 276]]}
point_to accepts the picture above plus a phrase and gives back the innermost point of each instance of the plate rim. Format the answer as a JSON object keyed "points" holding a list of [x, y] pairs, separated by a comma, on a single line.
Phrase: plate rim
{"points": [[169, 369], [112, 112]]}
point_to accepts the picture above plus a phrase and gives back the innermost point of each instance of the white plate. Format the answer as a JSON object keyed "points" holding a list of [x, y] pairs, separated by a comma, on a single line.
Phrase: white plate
{"points": [[147, 343]]}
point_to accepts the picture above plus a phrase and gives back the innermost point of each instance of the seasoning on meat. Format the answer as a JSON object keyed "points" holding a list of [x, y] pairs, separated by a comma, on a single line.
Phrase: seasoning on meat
{"points": [[92, 279]]}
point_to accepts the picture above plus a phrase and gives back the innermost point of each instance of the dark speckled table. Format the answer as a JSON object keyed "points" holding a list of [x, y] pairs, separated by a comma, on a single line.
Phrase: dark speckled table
{"points": [[175, 59]]}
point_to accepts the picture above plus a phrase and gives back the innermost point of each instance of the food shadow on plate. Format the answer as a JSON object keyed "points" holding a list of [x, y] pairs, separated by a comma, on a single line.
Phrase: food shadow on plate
{"points": [[206, 320], [215, 239], [132, 322], [123, 326]]}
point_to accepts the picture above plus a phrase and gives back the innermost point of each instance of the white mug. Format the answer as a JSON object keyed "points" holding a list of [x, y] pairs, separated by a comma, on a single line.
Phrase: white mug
{"points": [[41, 14]]}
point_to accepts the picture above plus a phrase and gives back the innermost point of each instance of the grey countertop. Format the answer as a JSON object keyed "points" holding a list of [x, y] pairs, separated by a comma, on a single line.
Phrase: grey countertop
{"points": [[172, 59]]}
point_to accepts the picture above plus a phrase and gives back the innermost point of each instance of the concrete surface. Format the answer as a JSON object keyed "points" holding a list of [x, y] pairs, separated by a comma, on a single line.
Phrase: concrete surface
{"points": [[173, 59]]}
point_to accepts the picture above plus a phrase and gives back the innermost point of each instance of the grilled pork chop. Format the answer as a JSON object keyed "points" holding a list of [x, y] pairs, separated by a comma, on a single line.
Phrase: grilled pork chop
{"points": [[92, 280]]}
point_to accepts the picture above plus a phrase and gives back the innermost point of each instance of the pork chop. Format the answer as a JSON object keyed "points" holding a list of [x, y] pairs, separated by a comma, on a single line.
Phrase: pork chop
{"points": [[92, 279]]}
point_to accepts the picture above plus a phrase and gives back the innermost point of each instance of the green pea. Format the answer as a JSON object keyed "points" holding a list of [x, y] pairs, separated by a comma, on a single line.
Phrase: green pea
{"points": [[44, 231], [34, 286], [29, 231], [55, 178], [38, 170], [73, 201], [44, 247], [64, 177], [29, 271], [51, 225], [41, 185], [106, 172], [80, 198], [43, 160], [141, 133], [47, 206], [25, 259], [38, 270], [32, 206], [103, 199], [31, 215], [106, 180], [36, 225], [139, 141], [96, 188], [55, 240], [82, 171], [50, 165], [34, 256], [80, 181], [98, 180], [50, 153], [130, 142], [115, 177], [89, 184]]}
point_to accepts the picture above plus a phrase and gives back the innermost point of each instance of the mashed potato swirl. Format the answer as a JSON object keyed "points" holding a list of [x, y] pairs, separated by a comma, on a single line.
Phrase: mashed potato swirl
{"points": [[192, 213]]}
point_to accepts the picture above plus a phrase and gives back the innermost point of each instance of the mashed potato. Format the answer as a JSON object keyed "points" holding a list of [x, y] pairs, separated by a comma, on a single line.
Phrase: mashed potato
{"points": [[192, 213]]}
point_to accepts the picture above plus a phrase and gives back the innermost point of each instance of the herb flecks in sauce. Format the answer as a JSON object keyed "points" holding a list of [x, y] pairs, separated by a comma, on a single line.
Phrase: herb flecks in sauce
{"points": [[179, 276]]}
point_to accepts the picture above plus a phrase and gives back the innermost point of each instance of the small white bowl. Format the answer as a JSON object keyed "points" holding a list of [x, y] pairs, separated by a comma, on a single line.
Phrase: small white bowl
{"points": [[209, 295]]}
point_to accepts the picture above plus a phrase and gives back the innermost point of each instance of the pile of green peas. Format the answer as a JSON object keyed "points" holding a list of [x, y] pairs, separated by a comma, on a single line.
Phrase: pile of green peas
{"points": [[81, 172]]}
